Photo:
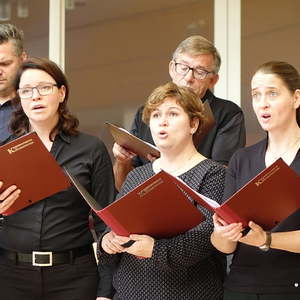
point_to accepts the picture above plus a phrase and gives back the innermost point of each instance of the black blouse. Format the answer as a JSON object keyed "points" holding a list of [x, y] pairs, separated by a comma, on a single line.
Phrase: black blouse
{"points": [[252, 270], [60, 222]]}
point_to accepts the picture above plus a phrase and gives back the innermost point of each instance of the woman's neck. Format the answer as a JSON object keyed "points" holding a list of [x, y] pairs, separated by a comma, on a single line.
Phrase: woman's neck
{"points": [[283, 145], [280, 141], [44, 134], [178, 162]]}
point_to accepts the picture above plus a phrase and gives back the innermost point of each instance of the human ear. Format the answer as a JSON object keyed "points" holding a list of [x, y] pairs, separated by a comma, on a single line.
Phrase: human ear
{"points": [[62, 93], [213, 80], [194, 125], [297, 99], [171, 69]]}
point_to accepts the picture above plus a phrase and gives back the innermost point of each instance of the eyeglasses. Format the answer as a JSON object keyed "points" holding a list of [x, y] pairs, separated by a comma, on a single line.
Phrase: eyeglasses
{"points": [[43, 90], [183, 69]]}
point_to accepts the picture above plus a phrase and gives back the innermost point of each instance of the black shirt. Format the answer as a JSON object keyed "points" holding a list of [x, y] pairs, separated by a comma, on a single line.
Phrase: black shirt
{"points": [[6, 110], [227, 135], [60, 222], [253, 270]]}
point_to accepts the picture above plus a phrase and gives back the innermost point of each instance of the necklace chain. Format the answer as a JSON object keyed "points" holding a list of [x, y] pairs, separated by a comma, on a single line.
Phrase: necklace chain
{"points": [[276, 155]]}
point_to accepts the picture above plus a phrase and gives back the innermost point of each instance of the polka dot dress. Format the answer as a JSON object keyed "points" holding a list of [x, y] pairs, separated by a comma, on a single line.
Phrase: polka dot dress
{"points": [[183, 267]]}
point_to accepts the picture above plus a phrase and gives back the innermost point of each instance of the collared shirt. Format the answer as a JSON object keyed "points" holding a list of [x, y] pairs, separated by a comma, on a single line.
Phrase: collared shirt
{"points": [[223, 139], [60, 222], [6, 110]]}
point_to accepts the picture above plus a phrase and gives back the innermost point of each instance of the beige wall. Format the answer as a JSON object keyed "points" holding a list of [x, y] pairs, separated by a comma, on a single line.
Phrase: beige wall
{"points": [[270, 31]]}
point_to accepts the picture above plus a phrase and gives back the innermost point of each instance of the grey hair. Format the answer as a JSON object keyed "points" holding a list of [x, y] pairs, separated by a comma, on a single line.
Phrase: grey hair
{"points": [[196, 45], [9, 32]]}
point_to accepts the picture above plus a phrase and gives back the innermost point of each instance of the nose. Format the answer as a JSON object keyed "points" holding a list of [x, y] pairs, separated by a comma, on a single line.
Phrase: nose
{"points": [[163, 121], [35, 94], [189, 76], [264, 101]]}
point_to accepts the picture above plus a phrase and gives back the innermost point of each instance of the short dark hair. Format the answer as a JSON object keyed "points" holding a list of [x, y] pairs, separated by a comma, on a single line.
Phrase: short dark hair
{"points": [[287, 73], [9, 32], [67, 123]]}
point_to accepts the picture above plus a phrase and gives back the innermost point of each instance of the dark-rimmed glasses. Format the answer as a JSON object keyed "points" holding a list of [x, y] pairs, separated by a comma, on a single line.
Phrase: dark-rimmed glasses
{"points": [[43, 90], [183, 69]]}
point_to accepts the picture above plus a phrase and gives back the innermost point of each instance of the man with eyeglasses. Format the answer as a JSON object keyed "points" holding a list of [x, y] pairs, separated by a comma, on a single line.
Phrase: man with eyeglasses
{"points": [[195, 64], [11, 57]]}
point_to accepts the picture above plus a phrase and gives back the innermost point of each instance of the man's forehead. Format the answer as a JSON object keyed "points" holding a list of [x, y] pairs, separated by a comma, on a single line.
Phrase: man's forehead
{"points": [[199, 60], [8, 49]]}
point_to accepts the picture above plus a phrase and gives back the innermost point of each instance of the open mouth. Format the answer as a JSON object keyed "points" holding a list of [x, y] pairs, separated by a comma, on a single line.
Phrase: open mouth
{"points": [[265, 116], [37, 107], [162, 134]]}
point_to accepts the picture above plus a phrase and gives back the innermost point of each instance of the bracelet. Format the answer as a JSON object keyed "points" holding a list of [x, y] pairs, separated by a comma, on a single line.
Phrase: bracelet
{"points": [[267, 244]]}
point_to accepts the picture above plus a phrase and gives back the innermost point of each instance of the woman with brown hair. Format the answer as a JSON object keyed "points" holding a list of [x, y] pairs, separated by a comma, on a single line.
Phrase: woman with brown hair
{"points": [[46, 249], [184, 266], [265, 265]]}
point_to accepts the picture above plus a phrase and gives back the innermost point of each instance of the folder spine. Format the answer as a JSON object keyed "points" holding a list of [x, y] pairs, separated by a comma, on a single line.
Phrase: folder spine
{"points": [[228, 215], [111, 221]]}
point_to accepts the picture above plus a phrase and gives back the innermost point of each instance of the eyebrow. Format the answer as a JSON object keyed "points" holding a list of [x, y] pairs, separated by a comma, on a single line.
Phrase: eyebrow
{"points": [[39, 83], [197, 67], [267, 87]]}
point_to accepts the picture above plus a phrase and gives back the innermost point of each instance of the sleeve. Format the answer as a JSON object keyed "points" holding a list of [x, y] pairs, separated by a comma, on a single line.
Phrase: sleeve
{"points": [[230, 137], [102, 181], [141, 130], [193, 246], [107, 264], [230, 178]]}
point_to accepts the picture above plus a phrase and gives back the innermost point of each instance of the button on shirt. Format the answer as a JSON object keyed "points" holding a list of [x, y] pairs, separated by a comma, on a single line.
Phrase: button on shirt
{"points": [[60, 222], [6, 110]]}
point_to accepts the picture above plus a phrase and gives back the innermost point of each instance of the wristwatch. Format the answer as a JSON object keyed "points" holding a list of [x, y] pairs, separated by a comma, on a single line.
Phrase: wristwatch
{"points": [[267, 244]]}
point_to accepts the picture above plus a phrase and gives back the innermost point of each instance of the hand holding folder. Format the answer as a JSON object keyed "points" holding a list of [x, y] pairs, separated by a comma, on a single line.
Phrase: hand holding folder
{"points": [[267, 199], [26, 163], [131, 142]]}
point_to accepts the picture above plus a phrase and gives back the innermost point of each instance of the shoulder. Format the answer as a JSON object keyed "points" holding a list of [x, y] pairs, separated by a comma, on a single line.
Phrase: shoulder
{"points": [[215, 170], [82, 137], [136, 177], [140, 110], [9, 139], [140, 174], [211, 166], [247, 153], [223, 106], [86, 141], [139, 113], [208, 169]]}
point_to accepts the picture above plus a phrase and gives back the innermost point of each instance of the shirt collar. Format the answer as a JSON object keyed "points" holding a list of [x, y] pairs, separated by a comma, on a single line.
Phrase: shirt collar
{"points": [[7, 103], [208, 96], [65, 137]]}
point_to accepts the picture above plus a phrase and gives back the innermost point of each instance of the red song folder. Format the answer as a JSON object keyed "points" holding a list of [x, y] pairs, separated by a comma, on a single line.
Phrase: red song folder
{"points": [[157, 207], [267, 199], [131, 142], [26, 163]]}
